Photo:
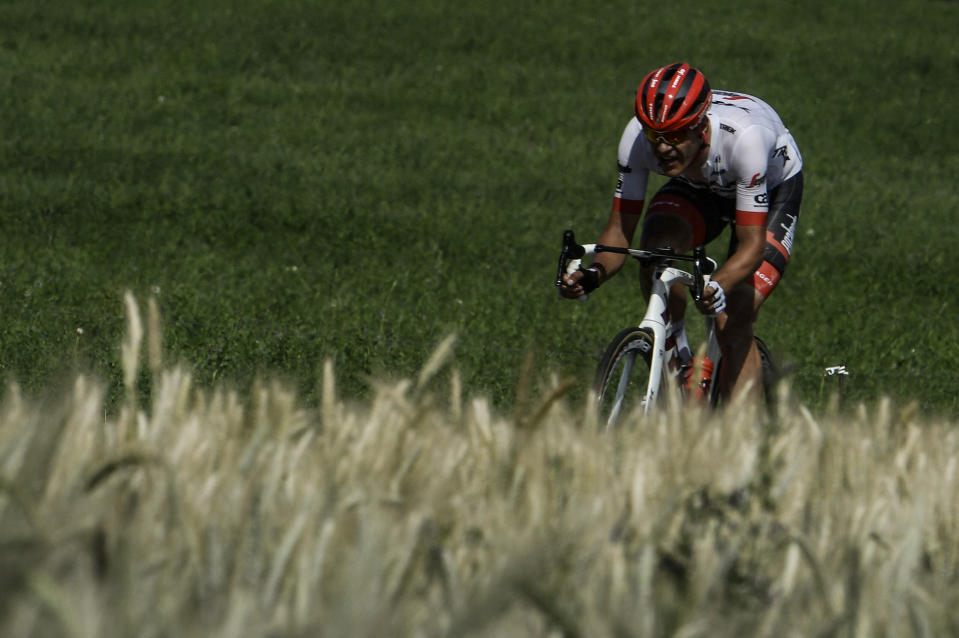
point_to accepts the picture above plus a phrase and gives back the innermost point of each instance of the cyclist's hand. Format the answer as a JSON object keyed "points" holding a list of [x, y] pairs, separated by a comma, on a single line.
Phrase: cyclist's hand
{"points": [[714, 299], [579, 283]]}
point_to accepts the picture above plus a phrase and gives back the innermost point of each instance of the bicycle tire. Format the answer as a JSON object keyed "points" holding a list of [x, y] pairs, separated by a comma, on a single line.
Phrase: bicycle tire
{"points": [[770, 372], [623, 375]]}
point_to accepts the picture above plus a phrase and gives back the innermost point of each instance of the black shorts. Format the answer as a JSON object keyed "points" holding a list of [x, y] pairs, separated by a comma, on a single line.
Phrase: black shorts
{"points": [[708, 214]]}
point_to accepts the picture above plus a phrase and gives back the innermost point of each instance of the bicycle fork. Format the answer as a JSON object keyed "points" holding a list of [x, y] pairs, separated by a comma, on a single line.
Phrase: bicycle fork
{"points": [[658, 320], [667, 335]]}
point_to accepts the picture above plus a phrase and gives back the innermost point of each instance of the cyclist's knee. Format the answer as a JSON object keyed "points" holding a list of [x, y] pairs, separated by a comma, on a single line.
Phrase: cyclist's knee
{"points": [[667, 232]]}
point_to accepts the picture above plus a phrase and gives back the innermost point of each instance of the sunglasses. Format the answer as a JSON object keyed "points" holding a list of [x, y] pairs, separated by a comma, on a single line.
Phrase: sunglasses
{"points": [[671, 138]]}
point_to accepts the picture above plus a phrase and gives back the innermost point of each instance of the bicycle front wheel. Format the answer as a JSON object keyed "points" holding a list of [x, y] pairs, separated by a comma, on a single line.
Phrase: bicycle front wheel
{"points": [[623, 375]]}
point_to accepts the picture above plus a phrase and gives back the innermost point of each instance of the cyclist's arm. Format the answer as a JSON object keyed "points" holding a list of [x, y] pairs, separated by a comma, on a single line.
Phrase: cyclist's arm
{"points": [[632, 161], [619, 232], [634, 157], [747, 258]]}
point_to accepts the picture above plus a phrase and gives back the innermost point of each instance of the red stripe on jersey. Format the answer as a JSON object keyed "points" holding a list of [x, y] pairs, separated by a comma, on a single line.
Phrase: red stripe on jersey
{"points": [[750, 218], [628, 206], [765, 279], [772, 241]]}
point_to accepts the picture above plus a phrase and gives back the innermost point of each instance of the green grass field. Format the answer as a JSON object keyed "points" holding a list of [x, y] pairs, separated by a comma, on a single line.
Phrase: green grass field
{"points": [[297, 181]]}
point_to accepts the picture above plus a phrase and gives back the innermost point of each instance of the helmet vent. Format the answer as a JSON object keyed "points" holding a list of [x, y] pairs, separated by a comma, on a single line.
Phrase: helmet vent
{"points": [[672, 97]]}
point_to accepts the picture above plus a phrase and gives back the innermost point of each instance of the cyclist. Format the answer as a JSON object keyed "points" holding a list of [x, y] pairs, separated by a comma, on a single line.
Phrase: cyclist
{"points": [[730, 161]]}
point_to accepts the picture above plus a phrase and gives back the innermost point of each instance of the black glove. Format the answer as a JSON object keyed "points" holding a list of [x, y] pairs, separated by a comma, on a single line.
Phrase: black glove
{"points": [[590, 279]]}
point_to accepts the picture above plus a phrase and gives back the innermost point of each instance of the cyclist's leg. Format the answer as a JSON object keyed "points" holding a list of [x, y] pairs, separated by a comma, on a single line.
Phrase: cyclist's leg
{"points": [[742, 364], [741, 368], [679, 217]]}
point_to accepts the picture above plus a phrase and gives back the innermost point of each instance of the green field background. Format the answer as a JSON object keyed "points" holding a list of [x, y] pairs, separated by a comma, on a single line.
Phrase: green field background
{"points": [[302, 181]]}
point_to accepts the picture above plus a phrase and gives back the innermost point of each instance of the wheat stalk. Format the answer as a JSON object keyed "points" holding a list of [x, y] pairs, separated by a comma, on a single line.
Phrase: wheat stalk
{"points": [[210, 512]]}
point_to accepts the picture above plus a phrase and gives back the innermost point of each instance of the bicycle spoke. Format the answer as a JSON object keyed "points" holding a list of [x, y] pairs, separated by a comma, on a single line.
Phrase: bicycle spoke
{"points": [[623, 375], [629, 360]]}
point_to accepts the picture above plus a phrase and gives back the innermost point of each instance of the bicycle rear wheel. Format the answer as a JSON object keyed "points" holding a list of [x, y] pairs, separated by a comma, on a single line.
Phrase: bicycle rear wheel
{"points": [[623, 375], [769, 369]]}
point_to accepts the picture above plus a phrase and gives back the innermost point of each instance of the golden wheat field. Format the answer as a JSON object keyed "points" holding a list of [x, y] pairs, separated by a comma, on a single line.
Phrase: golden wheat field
{"points": [[425, 513]]}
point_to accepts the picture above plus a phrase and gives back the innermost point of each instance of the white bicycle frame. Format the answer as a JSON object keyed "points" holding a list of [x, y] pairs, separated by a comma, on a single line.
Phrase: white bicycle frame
{"points": [[658, 321]]}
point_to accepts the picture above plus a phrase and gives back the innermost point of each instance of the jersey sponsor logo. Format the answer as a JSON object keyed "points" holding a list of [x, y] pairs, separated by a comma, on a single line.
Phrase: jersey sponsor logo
{"points": [[758, 180], [790, 235], [782, 152], [765, 277], [727, 128], [764, 280], [762, 199]]}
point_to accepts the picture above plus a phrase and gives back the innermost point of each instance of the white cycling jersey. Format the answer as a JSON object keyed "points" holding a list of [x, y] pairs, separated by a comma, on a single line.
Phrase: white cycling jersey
{"points": [[750, 153]]}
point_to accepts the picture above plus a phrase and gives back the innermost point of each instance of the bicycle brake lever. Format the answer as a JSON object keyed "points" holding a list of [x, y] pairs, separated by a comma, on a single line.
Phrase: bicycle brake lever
{"points": [[569, 243], [563, 258], [571, 250], [699, 271]]}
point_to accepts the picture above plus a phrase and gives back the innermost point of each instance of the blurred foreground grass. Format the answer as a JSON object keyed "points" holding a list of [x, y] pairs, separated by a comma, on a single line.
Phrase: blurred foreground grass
{"points": [[423, 512]]}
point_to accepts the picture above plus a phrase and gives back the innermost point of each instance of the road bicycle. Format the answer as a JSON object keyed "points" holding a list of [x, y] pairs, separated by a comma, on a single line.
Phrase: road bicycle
{"points": [[643, 362]]}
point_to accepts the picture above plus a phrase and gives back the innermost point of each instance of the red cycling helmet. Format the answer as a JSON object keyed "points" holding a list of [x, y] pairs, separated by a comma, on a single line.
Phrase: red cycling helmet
{"points": [[672, 98]]}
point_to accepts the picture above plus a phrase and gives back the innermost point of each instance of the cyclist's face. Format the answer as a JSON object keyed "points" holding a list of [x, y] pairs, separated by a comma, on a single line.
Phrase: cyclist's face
{"points": [[675, 155]]}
